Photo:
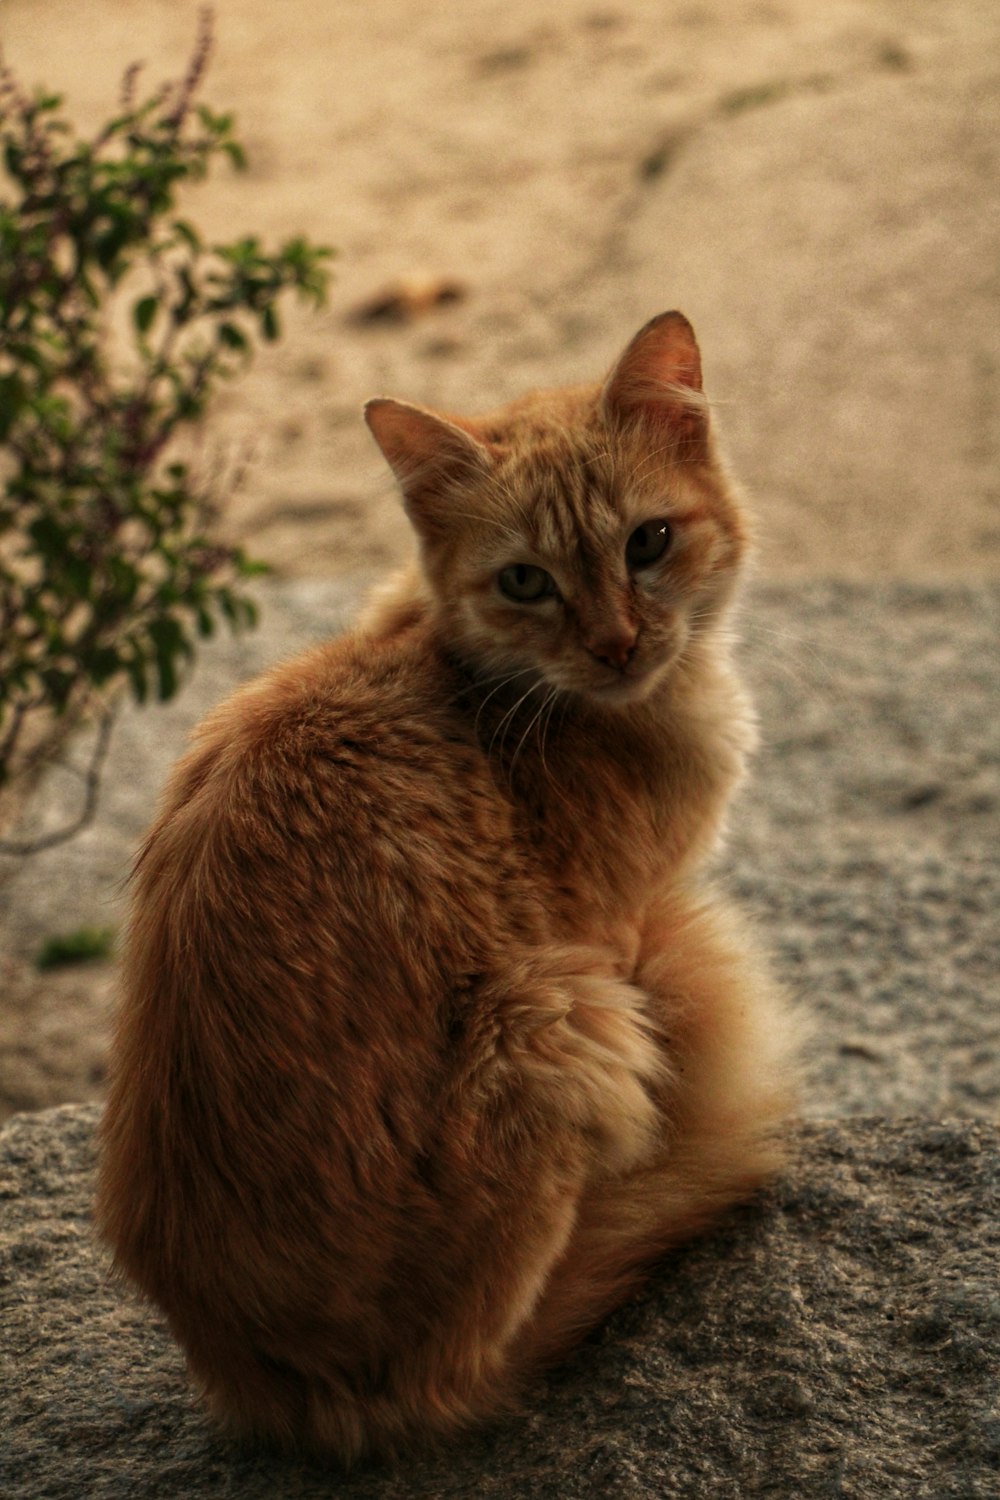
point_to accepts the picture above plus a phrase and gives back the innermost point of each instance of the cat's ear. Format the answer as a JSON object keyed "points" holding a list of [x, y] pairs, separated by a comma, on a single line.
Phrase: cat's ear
{"points": [[657, 381], [424, 451]]}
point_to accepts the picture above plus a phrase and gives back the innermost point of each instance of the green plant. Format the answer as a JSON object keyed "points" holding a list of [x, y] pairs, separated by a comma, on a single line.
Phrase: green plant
{"points": [[109, 571], [79, 947]]}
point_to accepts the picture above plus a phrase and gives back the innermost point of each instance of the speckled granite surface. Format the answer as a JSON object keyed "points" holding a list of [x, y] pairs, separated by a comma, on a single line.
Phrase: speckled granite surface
{"points": [[840, 1337]]}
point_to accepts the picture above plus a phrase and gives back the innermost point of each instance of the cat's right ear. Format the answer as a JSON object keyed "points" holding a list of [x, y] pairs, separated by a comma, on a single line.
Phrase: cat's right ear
{"points": [[425, 452]]}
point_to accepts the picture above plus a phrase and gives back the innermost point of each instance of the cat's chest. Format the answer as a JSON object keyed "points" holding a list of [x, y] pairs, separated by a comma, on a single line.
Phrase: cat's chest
{"points": [[602, 822], [589, 834]]}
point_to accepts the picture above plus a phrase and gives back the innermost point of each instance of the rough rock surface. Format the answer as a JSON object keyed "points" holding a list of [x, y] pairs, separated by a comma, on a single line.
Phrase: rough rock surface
{"points": [[838, 1337], [866, 842]]}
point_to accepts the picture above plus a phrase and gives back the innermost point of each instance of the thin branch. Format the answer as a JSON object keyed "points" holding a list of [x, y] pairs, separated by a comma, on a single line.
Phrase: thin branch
{"points": [[12, 734], [126, 102], [196, 69], [92, 787]]}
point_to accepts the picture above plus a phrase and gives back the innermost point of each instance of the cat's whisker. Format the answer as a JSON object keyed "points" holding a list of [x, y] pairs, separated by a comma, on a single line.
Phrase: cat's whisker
{"points": [[556, 697], [601, 453], [705, 614], [500, 678], [535, 719], [796, 659], [507, 722], [649, 461], [391, 489], [546, 718], [792, 639], [508, 719], [550, 705], [677, 460], [502, 683]]}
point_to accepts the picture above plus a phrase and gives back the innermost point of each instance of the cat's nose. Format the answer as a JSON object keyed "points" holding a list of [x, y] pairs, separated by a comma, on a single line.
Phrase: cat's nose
{"points": [[615, 650]]}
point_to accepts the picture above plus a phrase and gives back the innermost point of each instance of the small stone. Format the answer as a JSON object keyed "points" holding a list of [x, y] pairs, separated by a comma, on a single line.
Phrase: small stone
{"points": [[408, 298]]}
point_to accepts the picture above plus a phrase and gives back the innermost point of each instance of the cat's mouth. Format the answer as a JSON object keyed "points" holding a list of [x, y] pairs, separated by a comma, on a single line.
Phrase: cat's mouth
{"points": [[629, 686]]}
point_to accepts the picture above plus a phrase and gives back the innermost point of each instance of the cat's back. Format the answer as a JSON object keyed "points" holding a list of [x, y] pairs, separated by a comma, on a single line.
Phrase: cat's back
{"points": [[354, 751], [333, 819], [316, 916]]}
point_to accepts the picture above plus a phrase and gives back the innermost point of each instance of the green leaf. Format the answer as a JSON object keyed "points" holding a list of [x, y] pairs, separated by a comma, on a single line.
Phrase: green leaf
{"points": [[103, 664], [124, 579], [51, 539], [232, 336], [58, 685], [166, 673], [109, 246], [82, 946], [12, 157], [78, 574], [103, 567], [250, 567], [136, 666], [13, 399], [169, 645], [205, 623], [144, 312], [187, 233]]}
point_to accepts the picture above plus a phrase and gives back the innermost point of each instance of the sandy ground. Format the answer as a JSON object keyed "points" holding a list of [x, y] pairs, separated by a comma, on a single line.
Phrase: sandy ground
{"points": [[816, 185]]}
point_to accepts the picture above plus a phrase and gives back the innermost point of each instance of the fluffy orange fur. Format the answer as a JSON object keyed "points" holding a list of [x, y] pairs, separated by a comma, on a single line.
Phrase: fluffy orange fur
{"points": [[434, 1034]]}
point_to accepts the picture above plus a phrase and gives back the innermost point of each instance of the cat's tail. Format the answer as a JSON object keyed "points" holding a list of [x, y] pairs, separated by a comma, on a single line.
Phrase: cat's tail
{"points": [[732, 1039]]}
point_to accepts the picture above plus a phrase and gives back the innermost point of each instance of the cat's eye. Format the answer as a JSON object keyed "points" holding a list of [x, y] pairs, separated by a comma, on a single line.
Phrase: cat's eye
{"points": [[525, 583], [647, 544]]}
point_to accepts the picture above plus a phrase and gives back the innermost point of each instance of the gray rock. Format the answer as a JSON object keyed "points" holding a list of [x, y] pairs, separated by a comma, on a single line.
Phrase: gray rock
{"points": [[838, 1337], [866, 841]]}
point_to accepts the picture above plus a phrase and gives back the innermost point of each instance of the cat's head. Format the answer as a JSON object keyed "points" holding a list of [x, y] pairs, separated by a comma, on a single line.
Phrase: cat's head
{"points": [[584, 536]]}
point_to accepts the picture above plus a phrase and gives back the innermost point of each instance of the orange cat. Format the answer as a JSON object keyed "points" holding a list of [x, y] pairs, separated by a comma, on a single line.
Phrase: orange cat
{"points": [[433, 1036]]}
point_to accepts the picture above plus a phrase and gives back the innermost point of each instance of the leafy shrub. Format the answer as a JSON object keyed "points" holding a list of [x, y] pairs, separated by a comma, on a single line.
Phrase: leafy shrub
{"points": [[108, 568]]}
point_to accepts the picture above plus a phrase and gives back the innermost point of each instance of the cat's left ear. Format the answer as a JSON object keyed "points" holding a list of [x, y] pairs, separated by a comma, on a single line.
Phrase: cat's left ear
{"points": [[425, 452], [657, 381]]}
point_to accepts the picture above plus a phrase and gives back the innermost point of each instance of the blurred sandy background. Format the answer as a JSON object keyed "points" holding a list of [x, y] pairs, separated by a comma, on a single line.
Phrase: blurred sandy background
{"points": [[816, 183]]}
